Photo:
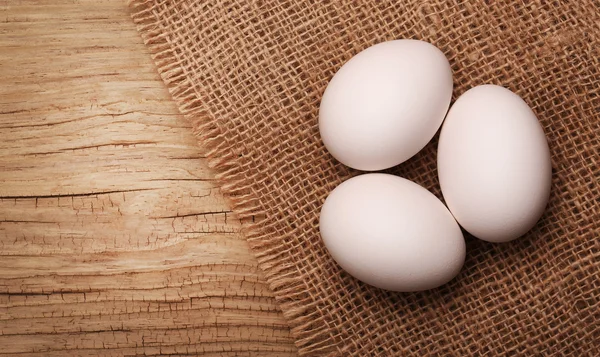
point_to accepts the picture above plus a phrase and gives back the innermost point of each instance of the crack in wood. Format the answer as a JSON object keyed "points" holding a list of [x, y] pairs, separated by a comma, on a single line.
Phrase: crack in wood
{"points": [[64, 195]]}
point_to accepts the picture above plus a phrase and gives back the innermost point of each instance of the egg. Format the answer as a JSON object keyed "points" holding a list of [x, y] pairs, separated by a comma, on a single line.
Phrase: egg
{"points": [[391, 233], [494, 164], [385, 104]]}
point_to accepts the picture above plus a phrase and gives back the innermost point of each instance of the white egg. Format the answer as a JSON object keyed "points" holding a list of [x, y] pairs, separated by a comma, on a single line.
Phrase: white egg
{"points": [[494, 164], [385, 104], [391, 233]]}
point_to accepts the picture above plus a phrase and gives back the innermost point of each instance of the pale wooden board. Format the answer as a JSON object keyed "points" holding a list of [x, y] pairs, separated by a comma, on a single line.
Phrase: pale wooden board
{"points": [[114, 237]]}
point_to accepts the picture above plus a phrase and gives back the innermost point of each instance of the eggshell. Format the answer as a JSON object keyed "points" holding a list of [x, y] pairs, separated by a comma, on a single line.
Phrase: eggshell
{"points": [[494, 164], [391, 233], [385, 104]]}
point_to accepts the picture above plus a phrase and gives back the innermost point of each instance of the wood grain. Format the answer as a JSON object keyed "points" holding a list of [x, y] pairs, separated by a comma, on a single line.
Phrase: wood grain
{"points": [[114, 237]]}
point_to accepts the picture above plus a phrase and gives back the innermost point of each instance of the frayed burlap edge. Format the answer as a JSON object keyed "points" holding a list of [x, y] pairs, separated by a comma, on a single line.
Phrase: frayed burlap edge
{"points": [[300, 311]]}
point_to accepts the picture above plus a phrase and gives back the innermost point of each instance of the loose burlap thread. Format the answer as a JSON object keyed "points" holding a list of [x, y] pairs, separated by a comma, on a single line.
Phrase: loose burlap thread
{"points": [[250, 76]]}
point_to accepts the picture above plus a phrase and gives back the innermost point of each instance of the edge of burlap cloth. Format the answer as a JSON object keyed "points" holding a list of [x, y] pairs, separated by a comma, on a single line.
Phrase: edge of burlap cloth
{"points": [[539, 295], [299, 311]]}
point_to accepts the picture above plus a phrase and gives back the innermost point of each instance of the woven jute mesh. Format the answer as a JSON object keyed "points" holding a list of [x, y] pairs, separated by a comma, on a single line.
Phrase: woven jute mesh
{"points": [[250, 75]]}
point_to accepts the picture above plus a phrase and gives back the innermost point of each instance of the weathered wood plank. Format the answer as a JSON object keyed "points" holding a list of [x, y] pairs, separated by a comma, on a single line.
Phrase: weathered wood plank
{"points": [[114, 237]]}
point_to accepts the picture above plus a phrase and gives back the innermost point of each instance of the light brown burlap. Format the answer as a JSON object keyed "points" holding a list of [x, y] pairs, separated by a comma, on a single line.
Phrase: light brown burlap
{"points": [[250, 75]]}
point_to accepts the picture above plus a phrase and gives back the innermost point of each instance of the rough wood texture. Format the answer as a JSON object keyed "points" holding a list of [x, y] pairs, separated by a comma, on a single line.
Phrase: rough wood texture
{"points": [[114, 239]]}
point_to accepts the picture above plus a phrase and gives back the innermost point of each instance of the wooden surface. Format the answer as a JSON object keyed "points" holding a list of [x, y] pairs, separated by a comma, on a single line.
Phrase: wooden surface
{"points": [[114, 238]]}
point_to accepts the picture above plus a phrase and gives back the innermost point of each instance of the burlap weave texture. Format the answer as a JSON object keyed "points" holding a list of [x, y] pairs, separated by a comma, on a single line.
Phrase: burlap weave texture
{"points": [[250, 75]]}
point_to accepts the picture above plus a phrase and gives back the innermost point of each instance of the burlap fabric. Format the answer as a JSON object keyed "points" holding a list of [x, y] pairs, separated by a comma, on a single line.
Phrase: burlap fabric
{"points": [[250, 76]]}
